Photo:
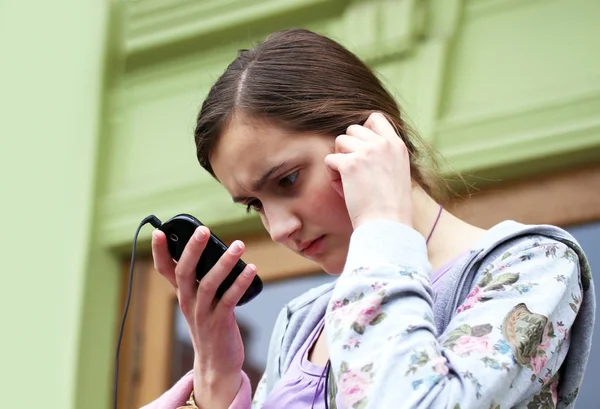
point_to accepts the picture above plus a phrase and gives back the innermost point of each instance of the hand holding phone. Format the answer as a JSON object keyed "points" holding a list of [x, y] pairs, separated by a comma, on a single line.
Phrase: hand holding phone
{"points": [[180, 229], [210, 280]]}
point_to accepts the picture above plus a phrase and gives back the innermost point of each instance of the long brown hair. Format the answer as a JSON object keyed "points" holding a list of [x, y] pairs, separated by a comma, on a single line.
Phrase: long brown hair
{"points": [[307, 83]]}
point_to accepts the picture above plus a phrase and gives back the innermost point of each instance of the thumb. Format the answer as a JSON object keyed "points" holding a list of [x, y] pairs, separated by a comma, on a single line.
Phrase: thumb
{"points": [[163, 262], [334, 160]]}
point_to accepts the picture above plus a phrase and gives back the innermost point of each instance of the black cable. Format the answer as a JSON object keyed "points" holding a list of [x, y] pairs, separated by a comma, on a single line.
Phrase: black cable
{"points": [[327, 370], [154, 221]]}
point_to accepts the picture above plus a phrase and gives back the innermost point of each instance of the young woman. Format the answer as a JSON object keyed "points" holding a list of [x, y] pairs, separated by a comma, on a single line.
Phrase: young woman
{"points": [[428, 311]]}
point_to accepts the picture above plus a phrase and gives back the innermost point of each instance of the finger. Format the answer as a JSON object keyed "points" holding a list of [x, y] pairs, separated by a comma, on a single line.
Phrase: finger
{"points": [[334, 161], [163, 262], [347, 144], [378, 123], [336, 180], [212, 280], [361, 132], [237, 290], [185, 272]]}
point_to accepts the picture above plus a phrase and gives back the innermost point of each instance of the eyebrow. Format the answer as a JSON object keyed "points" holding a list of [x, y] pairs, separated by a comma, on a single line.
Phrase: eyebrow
{"points": [[259, 183]]}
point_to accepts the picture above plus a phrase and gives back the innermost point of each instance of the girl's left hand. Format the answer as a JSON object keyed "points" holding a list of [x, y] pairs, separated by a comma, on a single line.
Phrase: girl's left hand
{"points": [[373, 163]]}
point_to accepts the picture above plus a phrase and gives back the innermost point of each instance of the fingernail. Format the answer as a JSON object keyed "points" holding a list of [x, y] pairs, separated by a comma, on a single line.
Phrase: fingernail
{"points": [[200, 233], [236, 248], [250, 270]]}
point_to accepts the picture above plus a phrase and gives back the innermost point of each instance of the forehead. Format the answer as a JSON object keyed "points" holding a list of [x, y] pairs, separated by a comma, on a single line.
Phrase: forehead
{"points": [[248, 148]]}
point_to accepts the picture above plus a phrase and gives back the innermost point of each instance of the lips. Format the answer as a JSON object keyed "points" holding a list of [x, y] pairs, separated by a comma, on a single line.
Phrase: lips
{"points": [[309, 248]]}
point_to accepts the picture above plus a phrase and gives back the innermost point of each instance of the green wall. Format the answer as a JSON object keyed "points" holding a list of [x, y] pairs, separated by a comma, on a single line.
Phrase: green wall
{"points": [[99, 102], [503, 88], [51, 80]]}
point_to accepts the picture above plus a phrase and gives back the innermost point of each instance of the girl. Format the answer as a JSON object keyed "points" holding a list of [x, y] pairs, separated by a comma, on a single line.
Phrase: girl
{"points": [[428, 311]]}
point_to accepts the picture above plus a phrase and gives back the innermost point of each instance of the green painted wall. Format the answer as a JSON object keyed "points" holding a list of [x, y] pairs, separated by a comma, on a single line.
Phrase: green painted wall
{"points": [[501, 87], [51, 80], [504, 88]]}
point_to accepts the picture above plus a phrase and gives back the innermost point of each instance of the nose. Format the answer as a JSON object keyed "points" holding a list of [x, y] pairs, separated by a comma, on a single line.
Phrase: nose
{"points": [[282, 223]]}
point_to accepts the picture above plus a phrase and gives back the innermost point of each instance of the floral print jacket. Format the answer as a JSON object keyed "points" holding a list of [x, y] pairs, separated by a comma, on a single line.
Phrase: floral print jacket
{"points": [[502, 344], [503, 348]]}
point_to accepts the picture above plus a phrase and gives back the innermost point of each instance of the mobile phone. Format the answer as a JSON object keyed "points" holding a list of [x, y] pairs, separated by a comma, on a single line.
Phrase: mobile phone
{"points": [[179, 229]]}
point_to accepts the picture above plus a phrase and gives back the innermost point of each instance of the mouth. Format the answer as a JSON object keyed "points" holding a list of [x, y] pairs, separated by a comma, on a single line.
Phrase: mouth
{"points": [[311, 248]]}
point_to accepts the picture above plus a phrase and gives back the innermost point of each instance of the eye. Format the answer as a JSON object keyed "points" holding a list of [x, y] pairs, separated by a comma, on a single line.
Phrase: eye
{"points": [[289, 180], [255, 205]]}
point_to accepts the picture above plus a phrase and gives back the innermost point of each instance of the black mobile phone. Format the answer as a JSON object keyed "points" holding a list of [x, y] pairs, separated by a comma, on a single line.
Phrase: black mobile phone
{"points": [[179, 229]]}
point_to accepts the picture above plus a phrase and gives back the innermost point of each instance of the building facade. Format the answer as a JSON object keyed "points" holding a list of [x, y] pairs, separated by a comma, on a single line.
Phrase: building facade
{"points": [[507, 90]]}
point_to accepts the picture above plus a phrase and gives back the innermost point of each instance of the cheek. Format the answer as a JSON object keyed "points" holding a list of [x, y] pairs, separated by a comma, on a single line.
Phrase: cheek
{"points": [[327, 207]]}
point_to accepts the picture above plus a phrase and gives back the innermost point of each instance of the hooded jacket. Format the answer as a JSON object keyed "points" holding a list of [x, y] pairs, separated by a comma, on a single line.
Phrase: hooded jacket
{"points": [[510, 327]]}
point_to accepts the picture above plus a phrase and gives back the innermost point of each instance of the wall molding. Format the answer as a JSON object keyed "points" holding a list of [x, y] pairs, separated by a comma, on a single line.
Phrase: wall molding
{"points": [[378, 30], [153, 24], [475, 7], [564, 128], [374, 29], [529, 152], [166, 29], [171, 70], [432, 66], [525, 109]]}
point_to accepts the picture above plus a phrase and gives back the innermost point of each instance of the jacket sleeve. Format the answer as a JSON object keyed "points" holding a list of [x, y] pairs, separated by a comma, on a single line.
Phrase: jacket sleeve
{"points": [[503, 347], [178, 395]]}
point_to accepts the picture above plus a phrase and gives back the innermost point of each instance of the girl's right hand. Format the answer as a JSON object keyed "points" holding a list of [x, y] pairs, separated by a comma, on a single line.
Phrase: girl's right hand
{"points": [[218, 347]]}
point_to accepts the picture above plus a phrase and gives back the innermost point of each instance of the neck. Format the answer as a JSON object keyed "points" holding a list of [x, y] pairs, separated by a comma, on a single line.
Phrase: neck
{"points": [[451, 236]]}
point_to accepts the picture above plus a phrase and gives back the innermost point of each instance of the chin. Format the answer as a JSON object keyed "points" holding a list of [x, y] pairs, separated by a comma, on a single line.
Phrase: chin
{"points": [[333, 267]]}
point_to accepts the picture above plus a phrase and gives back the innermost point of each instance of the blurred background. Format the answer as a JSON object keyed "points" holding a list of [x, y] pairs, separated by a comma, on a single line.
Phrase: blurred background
{"points": [[98, 103]]}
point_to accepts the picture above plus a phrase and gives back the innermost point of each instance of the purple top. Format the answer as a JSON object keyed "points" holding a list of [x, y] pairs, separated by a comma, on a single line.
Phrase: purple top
{"points": [[439, 273], [303, 385]]}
